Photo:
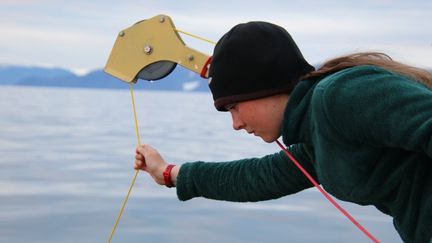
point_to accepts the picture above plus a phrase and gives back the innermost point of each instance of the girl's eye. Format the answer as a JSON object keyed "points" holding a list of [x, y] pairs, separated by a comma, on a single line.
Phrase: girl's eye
{"points": [[230, 106]]}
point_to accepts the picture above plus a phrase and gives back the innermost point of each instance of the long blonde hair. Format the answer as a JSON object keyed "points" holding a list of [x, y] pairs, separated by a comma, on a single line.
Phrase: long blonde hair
{"points": [[372, 58]]}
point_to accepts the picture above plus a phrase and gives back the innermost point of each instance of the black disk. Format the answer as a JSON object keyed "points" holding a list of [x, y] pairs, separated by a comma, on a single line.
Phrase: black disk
{"points": [[156, 70]]}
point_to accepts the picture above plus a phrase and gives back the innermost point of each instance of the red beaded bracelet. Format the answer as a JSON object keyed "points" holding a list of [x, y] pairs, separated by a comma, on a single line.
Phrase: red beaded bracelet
{"points": [[167, 176]]}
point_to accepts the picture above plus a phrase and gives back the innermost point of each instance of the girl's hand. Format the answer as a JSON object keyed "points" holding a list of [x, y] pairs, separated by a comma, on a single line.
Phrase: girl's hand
{"points": [[149, 160]]}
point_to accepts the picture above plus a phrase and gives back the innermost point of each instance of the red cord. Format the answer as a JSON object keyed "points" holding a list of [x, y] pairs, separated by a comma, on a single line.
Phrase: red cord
{"points": [[205, 68], [326, 195]]}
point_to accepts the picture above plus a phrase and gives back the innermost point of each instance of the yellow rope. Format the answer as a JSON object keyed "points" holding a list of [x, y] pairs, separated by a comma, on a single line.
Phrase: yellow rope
{"points": [[195, 36], [139, 143], [135, 114], [136, 172]]}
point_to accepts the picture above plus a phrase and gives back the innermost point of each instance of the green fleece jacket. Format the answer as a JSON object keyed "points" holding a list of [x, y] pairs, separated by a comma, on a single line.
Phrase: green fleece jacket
{"points": [[365, 134]]}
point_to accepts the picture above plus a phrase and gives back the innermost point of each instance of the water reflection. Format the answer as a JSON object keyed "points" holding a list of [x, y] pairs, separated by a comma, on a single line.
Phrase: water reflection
{"points": [[66, 163]]}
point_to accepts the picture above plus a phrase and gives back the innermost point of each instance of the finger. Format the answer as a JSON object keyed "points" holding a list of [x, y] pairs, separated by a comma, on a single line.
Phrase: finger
{"points": [[145, 148], [137, 149], [140, 163], [140, 149], [139, 167], [137, 163]]}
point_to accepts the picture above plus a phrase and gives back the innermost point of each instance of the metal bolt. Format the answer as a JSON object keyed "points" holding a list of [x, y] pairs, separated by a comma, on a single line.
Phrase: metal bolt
{"points": [[122, 33], [162, 19], [190, 58], [148, 49]]}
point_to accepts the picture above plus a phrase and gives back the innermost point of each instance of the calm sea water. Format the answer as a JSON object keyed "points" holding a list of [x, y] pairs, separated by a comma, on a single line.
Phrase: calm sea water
{"points": [[66, 158]]}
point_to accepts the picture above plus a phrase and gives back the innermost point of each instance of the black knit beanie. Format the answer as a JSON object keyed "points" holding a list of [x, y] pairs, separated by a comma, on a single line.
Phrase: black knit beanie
{"points": [[254, 60]]}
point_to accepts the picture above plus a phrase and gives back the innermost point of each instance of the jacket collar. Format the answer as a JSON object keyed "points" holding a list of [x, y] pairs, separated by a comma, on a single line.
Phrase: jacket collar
{"points": [[297, 125]]}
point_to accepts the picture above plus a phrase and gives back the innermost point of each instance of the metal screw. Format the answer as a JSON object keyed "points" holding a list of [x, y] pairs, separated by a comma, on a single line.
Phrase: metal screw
{"points": [[162, 19], [190, 58], [148, 49], [122, 33]]}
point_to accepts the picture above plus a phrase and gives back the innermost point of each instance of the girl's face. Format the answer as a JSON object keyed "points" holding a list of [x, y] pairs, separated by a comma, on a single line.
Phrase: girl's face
{"points": [[261, 117]]}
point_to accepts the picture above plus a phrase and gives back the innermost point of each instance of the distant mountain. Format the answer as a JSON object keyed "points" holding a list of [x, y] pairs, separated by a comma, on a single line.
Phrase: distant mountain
{"points": [[180, 79], [14, 74]]}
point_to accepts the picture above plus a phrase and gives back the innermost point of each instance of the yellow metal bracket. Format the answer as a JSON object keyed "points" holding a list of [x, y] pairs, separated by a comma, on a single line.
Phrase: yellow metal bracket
{"points": [[148, 42]]}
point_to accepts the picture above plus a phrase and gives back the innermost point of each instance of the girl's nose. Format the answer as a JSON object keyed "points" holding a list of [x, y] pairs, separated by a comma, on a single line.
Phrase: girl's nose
{"points": [[237, 121]]}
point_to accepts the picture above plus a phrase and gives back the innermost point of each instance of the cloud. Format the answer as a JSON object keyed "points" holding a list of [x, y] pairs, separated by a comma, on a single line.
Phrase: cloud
{"points": [[79, 35], [19, 33]]}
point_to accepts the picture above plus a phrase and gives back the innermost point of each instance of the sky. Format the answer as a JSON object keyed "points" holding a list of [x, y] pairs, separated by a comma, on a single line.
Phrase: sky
{"points": [[78, 35]]}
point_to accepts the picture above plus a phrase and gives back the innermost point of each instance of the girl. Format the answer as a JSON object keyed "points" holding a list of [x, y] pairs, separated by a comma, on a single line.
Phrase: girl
{"points": [[361, 125]]}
